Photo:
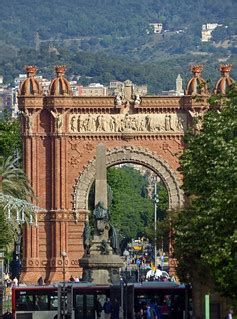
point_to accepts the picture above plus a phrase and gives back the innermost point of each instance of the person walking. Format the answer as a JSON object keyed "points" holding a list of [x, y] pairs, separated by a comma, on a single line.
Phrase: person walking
{"points": [[7, 315], [107, 307], [115, 309], [15, 282], [229, 314], [40, 281], [98, 308]]}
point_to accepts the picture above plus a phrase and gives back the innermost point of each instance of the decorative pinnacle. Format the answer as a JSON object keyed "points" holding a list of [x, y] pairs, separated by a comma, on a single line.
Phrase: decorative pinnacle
{"points": [[31, 70], [225, 69], [197, 69], [60, 70]]}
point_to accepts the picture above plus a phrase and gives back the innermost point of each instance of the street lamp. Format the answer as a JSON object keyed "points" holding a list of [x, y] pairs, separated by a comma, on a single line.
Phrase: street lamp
{"points": [[125, 254], [156, 201], [64, 255]]}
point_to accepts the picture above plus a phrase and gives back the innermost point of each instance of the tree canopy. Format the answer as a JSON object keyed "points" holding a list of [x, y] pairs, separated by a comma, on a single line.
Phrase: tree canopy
{"points": [[10, 139], [206, 231], [131, 210]]}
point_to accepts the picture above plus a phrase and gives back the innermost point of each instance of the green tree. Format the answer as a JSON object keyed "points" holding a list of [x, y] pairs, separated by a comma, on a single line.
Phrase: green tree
{"points": [[14, 183], [206, 231], [10, 139], [131, 211]]}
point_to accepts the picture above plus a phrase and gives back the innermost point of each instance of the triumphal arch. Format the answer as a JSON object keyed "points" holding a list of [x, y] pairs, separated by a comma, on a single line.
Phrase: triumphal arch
{"points": [[61, 132]]}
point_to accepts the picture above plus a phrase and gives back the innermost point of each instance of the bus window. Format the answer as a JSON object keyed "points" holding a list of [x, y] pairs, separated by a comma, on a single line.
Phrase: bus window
{"points": [[53, 302], [24, 303], [89, 306], [79, 307], [41, 302]]}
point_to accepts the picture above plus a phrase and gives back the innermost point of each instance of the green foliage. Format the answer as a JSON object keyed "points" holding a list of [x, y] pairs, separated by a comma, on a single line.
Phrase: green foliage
{"points": [[111, 40], [131, 211], [13, 182], [10, 139], [121, 18], [206, 232]]}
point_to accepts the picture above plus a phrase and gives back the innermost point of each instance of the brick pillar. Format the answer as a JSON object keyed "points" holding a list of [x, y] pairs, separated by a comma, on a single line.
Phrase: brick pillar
{"points": [[59, 214], [31, 260]]}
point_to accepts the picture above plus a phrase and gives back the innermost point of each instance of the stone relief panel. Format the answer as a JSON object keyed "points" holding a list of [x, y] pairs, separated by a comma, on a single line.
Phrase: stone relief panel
{"points": [[115, 123]]}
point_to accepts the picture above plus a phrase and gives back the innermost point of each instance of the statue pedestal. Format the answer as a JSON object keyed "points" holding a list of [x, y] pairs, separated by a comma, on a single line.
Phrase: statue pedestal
{"points": [[102, 269]]}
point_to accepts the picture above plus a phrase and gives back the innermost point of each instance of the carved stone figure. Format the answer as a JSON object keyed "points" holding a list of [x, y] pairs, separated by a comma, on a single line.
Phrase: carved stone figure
{"points": [[179, 123], [148, 123], [127, 122], [29, 119], [58, 120], [168, 122], [74, 123], [141, 125], [86, 237], [79, 124], [118, 100], [103, 123], [101, 217], [137, 100], [114, 239]]}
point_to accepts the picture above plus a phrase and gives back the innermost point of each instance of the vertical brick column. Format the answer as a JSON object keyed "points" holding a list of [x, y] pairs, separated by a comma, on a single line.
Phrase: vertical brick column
{"points": [[31, 258]]}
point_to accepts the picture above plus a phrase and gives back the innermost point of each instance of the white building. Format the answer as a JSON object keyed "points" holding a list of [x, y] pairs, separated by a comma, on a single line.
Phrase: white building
{"points": [[157, 27], [207, 30]]}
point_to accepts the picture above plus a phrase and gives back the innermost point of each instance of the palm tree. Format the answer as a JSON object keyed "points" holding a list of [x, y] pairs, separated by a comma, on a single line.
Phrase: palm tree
{"points": [[15, 190], [13, 180]]}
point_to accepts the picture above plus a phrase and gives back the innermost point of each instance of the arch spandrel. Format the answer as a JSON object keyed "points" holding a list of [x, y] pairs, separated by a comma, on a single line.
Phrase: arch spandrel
{"points": [[130, 154]]}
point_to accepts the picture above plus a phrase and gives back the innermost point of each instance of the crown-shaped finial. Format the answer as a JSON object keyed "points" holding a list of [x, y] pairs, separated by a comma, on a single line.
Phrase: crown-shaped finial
{"points": [[31, 70], [225, 68], [60, 69], [197, 69]]}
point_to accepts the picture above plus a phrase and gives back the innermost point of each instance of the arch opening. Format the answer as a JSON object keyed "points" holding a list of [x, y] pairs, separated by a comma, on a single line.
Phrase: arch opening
{"points": [[135, 155]]}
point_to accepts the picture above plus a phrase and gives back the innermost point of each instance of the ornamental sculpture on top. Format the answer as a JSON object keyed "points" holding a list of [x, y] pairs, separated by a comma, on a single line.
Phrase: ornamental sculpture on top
{"points": [[30, 86], [225, 80], [197, 85], [60, 85]]}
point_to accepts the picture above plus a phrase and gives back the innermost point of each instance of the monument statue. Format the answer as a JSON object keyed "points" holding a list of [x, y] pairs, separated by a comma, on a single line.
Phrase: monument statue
{"points": [[101, 261], [114, 239], [86, 237], [101, 218]]}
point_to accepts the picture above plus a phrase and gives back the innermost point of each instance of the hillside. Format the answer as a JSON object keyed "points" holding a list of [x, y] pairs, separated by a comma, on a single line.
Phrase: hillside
{"points": [[107, 40], [20, 20]]}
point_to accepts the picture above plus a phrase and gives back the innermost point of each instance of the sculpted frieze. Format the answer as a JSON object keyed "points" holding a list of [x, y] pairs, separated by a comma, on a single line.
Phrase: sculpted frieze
{"points": [[115, 123]]}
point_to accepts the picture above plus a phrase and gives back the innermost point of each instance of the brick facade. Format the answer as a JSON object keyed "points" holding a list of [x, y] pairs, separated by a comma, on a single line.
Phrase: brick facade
{"points": [[60, 134]]}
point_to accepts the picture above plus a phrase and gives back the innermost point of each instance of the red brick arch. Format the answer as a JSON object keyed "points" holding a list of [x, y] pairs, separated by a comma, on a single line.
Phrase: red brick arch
{"points": [[130, 154]]}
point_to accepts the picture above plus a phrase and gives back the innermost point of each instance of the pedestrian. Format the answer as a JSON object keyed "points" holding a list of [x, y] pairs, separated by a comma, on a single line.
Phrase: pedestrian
{"points": [[15, 282], [6, 279], [156, 308], [7, 315], [40, 281], [150, 312], [98, 308], [115, 309], [76, 279], [138, 309], [71, 279], [107, 307], [229, 314]]}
